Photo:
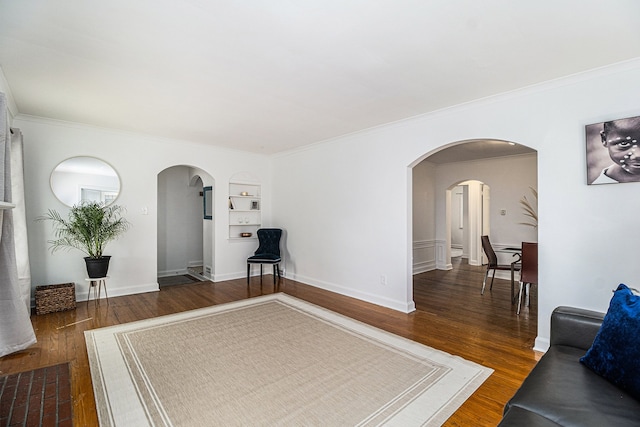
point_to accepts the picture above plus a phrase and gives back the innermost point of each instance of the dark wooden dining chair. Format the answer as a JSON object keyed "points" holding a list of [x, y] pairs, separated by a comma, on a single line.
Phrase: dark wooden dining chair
{"points": [[492, 264], [529, 272]]}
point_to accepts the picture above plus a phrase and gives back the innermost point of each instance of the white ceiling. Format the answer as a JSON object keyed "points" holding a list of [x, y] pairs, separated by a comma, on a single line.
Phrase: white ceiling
{"points": [[268, 76]]}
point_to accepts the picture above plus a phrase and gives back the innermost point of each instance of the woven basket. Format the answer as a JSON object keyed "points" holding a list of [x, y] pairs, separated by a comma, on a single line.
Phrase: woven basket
{"points": [[52, 298]]}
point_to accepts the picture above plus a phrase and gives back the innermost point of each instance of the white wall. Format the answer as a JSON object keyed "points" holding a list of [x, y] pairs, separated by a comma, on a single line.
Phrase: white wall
{"points": [[342, 204], [347, 203], [138, 160]]}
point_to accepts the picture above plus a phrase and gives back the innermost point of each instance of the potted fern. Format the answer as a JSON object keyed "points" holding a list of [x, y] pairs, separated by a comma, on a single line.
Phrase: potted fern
{"points": [[89, 227]]}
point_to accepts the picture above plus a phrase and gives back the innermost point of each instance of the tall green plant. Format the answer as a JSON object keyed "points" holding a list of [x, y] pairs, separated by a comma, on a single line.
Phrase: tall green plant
{"points": [[89, 227]]}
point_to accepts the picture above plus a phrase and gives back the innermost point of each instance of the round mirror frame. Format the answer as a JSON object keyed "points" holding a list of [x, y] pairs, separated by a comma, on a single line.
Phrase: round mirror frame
{"points": [[85, 178]]}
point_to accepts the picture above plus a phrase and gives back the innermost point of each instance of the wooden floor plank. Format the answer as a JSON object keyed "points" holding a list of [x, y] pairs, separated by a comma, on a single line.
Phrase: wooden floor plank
{"points": [[451, 316]]}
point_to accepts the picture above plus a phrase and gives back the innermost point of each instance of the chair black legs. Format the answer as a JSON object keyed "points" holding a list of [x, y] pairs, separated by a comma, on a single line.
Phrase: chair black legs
{"points": [[276, 271]]}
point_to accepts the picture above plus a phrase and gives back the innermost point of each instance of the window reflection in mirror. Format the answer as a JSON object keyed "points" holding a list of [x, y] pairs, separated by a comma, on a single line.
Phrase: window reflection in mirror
{"points": [[84, 179]]}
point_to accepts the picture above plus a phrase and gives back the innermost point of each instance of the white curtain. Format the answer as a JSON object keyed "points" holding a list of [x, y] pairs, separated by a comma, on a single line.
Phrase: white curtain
{"points": [[20, 217], [16, 331]]}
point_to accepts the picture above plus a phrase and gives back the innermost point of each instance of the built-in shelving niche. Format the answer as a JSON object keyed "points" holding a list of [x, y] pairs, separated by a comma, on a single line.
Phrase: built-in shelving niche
{"points": [[245, 206]]}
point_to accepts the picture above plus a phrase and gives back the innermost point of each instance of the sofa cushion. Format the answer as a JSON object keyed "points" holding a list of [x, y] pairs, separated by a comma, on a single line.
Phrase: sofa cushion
{"points": [[615, 353], [566, 392]]}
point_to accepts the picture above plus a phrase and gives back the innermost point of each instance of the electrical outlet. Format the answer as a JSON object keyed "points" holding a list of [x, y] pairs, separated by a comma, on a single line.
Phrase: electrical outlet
{"points": [[383, 280]]}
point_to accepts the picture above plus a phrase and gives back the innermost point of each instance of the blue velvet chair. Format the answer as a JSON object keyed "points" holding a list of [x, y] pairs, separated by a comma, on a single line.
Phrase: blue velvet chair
{"points": [[268, 252]]}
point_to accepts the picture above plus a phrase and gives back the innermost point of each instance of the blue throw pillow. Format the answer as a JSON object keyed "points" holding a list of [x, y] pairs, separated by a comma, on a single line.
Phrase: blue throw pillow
{"points": [[615, 353]]}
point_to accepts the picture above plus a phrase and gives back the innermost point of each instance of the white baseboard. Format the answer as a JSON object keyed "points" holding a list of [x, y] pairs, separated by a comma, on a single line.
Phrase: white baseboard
{"points": [[541, 344], [423, 267], [83, 291], [404, 307], [243, 275]]}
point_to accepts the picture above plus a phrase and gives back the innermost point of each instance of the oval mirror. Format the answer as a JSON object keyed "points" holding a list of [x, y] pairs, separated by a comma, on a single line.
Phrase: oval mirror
{"points": [[84, 179]]}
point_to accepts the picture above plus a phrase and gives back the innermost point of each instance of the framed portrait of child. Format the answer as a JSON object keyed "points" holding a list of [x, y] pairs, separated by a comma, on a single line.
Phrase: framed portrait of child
{"points": [[613, 156]]}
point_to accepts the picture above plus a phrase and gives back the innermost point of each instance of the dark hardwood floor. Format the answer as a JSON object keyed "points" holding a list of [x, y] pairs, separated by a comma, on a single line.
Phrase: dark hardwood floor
{"points": [[451, 316]]}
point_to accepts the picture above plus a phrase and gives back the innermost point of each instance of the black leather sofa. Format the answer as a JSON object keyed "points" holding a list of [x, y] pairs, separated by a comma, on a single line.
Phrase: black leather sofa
{"points": [[560, 391]]}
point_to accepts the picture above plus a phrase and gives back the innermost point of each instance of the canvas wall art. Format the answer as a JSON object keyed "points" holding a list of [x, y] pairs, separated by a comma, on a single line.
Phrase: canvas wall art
{"points": [[612, 151]]}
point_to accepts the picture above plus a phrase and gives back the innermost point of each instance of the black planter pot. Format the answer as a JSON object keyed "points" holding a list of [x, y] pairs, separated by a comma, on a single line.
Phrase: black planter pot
{"points": [[97, 267]]}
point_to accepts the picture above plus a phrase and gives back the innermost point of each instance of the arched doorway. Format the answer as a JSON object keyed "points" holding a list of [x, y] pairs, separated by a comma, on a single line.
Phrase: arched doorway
{"points": [[493, 163], [185, 232], [508, 170]]}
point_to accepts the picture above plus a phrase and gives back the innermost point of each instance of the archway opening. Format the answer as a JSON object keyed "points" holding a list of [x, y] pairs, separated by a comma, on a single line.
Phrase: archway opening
{"points": [[184, 228], [452, 207]]}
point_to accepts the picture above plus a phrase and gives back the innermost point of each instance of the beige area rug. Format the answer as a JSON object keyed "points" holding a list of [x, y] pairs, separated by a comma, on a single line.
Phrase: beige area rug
{"points": [[271, 360]]}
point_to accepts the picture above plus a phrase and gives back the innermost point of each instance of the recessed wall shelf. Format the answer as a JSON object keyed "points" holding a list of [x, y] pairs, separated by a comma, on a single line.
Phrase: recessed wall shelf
{"points": [[244, 209]]}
